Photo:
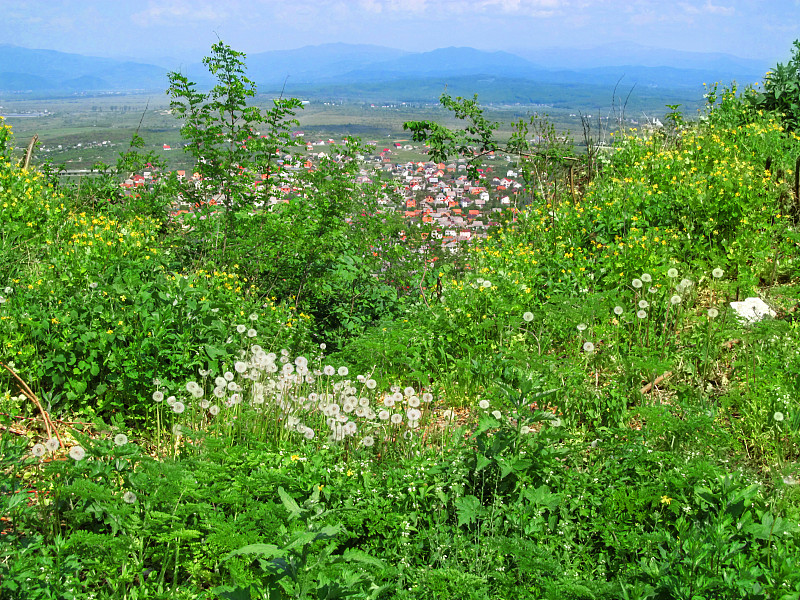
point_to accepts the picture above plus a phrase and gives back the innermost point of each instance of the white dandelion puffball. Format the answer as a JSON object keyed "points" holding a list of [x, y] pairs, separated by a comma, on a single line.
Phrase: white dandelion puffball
{"points": [[686, 283], [220, 381], [371, 384], [427, 397], [484, 404], [409, 391], [328, 370], [120, 439], [672, 273], [618, 310], [487, 284], [52, 444], [251, 333], [214, 410], [413, 401], [228, 376], [637, 283], [38, 450], [652, 290], [342, 371], [171, 400], [646, 277], [675, 300], [368, 441], [643, 304], [582, 326], [588, 347], [713, 313], [384, 415], [129, 497], [497, 414], [778, 416], [178, 407], [717, 273], [240, 366], [413, 414], [253, 317], [241, 328], [642, 314], [396, 418], [527, 317], [158, 396], [77, 453]]}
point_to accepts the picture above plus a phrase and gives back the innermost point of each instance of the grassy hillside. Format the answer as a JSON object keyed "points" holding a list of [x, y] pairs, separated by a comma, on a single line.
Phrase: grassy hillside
{"points": [[301, 405]]}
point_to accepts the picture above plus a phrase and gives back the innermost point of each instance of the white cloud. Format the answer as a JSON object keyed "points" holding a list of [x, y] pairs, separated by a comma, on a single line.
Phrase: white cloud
{"points": [[173, 12]]}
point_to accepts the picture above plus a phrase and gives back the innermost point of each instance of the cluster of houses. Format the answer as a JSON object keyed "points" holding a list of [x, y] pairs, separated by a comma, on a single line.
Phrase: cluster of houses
{"points": [[451, 206]]}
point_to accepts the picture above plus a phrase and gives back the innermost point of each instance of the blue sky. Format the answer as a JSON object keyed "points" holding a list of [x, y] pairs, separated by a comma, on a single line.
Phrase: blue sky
{"points": [[185, 29]]}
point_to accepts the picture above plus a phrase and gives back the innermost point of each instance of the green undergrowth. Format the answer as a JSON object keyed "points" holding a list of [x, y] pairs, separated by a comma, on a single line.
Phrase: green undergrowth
{"points": [[295, 402]]}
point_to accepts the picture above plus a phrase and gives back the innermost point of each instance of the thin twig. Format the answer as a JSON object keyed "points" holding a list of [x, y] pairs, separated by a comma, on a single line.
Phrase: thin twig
{"points": [[32, 397], [646, 389]]}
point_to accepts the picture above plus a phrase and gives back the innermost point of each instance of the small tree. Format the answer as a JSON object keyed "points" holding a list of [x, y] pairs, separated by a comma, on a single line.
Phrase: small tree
{"points": [[234, 142]]}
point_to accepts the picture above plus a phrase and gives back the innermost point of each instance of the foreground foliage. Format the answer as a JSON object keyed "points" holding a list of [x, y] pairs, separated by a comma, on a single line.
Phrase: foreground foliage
{"points": [[267, 410]]}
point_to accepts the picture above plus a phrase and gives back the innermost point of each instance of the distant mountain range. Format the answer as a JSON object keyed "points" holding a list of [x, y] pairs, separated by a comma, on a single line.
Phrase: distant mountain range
{"points": [[393, 75]]}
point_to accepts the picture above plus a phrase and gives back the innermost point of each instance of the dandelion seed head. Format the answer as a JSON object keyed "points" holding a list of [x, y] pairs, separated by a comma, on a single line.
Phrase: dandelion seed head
{"points": [[253, 317], [251, 333], [241, 328], [646, 278], [642, 314], [52, 444], [129, 497], [712, 313], [120, 439], [396, 418], [342, 371], [497, 414], [368, 441], [672, 273], [588, 347], [214, 410], [484, 404], [637, 283], [618, 310], [427, 397], [409, 391], [178, 407], [582, 326], [643, 304], [778, 416], [77, 453], [38, 450], [717, 273], [527, 317], [675, 300], [158, 396]]}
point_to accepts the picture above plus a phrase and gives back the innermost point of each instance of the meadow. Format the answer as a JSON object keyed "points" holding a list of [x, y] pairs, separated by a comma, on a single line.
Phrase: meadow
{"points": [[288, 401]]}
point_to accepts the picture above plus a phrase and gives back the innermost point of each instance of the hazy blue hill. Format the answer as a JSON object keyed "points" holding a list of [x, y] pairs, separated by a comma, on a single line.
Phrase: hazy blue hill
{"points": [[447, 62], [312, 63], [725, 66], [23, 82], [353, 69], [51, 70]]}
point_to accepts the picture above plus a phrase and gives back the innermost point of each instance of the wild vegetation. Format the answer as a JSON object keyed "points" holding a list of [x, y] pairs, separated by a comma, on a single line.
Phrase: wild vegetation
{"points": [[284, 400]]}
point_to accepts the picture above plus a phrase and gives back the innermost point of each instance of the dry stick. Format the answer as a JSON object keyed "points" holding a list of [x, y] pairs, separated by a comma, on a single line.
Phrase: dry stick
{"points": [[26, 161], [32, 397], [655, 382]]}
